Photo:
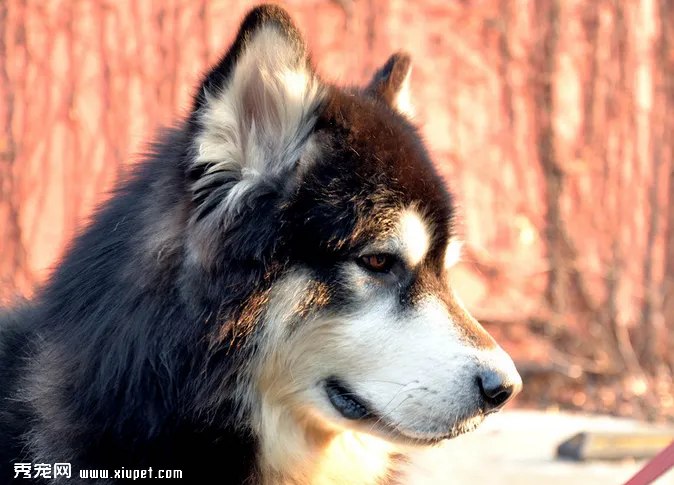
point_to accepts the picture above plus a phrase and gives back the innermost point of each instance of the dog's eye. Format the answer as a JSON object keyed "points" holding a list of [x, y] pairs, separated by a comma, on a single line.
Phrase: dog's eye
{"points": [[377, 263]]}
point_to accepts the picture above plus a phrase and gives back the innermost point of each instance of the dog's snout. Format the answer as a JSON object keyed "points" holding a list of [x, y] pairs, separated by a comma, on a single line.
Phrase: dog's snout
{"points": [[497, 388]]}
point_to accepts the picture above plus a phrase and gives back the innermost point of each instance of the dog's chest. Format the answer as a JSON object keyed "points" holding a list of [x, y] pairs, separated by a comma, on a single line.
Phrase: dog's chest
{"points": [[349, 459]]}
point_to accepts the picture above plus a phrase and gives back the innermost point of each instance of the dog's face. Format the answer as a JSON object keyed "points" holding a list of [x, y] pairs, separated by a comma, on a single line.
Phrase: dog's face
{"points": [[360, 328]]}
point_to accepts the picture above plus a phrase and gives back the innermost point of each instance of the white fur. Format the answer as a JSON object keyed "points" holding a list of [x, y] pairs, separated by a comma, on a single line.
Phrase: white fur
{"points": [[453, 253], [413, 235], [414, 370], [403, 99]]}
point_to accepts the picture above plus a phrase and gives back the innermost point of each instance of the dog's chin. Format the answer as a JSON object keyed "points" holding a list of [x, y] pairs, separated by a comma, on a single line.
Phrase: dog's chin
{"points": [[399, 435], [362, 416]]}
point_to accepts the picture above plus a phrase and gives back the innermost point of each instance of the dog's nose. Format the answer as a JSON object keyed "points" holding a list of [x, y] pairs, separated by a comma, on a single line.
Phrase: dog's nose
{"points": [[497, 388]]}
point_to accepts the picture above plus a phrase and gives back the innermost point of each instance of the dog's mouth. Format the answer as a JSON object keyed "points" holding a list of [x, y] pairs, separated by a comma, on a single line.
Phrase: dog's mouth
{"points": [[345, 401], [352, 407]]}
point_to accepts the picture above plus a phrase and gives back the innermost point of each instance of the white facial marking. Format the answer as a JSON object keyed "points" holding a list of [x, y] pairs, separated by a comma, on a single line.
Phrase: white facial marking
{"points": [[453, 253], [421, 374], [416, 368], [413, 237]]}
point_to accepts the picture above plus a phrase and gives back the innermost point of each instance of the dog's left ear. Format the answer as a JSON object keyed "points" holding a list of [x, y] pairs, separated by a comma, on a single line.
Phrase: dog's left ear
{"points": [[391, 83], [252, 121]]}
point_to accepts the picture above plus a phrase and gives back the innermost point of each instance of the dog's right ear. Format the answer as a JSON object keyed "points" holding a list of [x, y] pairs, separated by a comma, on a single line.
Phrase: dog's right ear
{"points": [[252, 118], [391, 83]]}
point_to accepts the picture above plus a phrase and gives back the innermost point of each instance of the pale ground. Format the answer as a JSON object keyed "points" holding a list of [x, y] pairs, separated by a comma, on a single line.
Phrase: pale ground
{"points": [[518, 448]]}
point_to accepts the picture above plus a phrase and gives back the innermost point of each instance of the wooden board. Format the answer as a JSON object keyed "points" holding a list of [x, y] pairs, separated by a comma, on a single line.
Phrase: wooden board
{"points": [[605, 445]]}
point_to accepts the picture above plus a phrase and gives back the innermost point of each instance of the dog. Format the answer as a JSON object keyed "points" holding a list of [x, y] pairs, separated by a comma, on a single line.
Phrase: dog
{"points": [[264, 298]]}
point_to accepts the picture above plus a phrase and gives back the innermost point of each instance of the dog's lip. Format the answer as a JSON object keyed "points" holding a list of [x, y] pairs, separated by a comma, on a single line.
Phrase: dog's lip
{"points": [[467, 426], [354, 408], [345, 401]]}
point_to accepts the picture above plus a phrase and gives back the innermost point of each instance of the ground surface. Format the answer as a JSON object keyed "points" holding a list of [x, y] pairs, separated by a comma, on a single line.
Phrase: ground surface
{"points": [[518, 448]]}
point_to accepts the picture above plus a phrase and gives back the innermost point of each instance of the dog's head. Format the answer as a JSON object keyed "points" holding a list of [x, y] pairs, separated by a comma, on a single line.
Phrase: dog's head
{"points": [[333, 188]]}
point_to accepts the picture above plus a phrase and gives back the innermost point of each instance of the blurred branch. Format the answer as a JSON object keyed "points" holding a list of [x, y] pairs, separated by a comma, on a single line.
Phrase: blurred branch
{"points": [[661, 77], [504, 65], [13, 264], [667, 33], [547, 18]]}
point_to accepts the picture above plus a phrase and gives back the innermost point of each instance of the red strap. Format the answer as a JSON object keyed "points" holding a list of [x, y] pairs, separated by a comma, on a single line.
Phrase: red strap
{"points": [[662, 462]]}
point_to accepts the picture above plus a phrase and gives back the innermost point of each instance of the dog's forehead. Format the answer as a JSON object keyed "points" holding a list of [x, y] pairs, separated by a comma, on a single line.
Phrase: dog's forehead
{"points": [[382, 152]]}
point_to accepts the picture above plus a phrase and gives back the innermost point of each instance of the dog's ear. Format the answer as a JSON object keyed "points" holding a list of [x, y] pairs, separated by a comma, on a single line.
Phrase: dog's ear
{"points": [[251, 122], [254, 110], [391, 83]]}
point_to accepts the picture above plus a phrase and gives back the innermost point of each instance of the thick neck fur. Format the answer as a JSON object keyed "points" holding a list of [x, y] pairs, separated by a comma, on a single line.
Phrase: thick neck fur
{"points": [[301, 453]]}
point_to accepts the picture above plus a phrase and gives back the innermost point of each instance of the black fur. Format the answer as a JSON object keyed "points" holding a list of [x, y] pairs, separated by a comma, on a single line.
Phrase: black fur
{"points": [[129, 353]]}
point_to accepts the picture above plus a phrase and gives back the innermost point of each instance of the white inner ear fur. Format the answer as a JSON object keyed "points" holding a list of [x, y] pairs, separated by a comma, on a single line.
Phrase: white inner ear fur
{"points": [[259, 122], [403, 99]]}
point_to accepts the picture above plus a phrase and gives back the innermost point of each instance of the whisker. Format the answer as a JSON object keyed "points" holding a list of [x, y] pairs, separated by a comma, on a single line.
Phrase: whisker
{"points": [[388, 382], [389, 413], [386, 414]]}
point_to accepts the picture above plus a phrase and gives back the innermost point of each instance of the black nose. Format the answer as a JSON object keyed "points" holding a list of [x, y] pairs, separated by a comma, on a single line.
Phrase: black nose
{"points": [[496, 389]]}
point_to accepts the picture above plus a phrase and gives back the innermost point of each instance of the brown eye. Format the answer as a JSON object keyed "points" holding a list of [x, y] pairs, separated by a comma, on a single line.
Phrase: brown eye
{"points": [[378, 263]]}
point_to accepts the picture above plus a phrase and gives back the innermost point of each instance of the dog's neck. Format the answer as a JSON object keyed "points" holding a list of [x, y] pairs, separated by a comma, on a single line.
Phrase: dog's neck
{"points": [[299, 453]]}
